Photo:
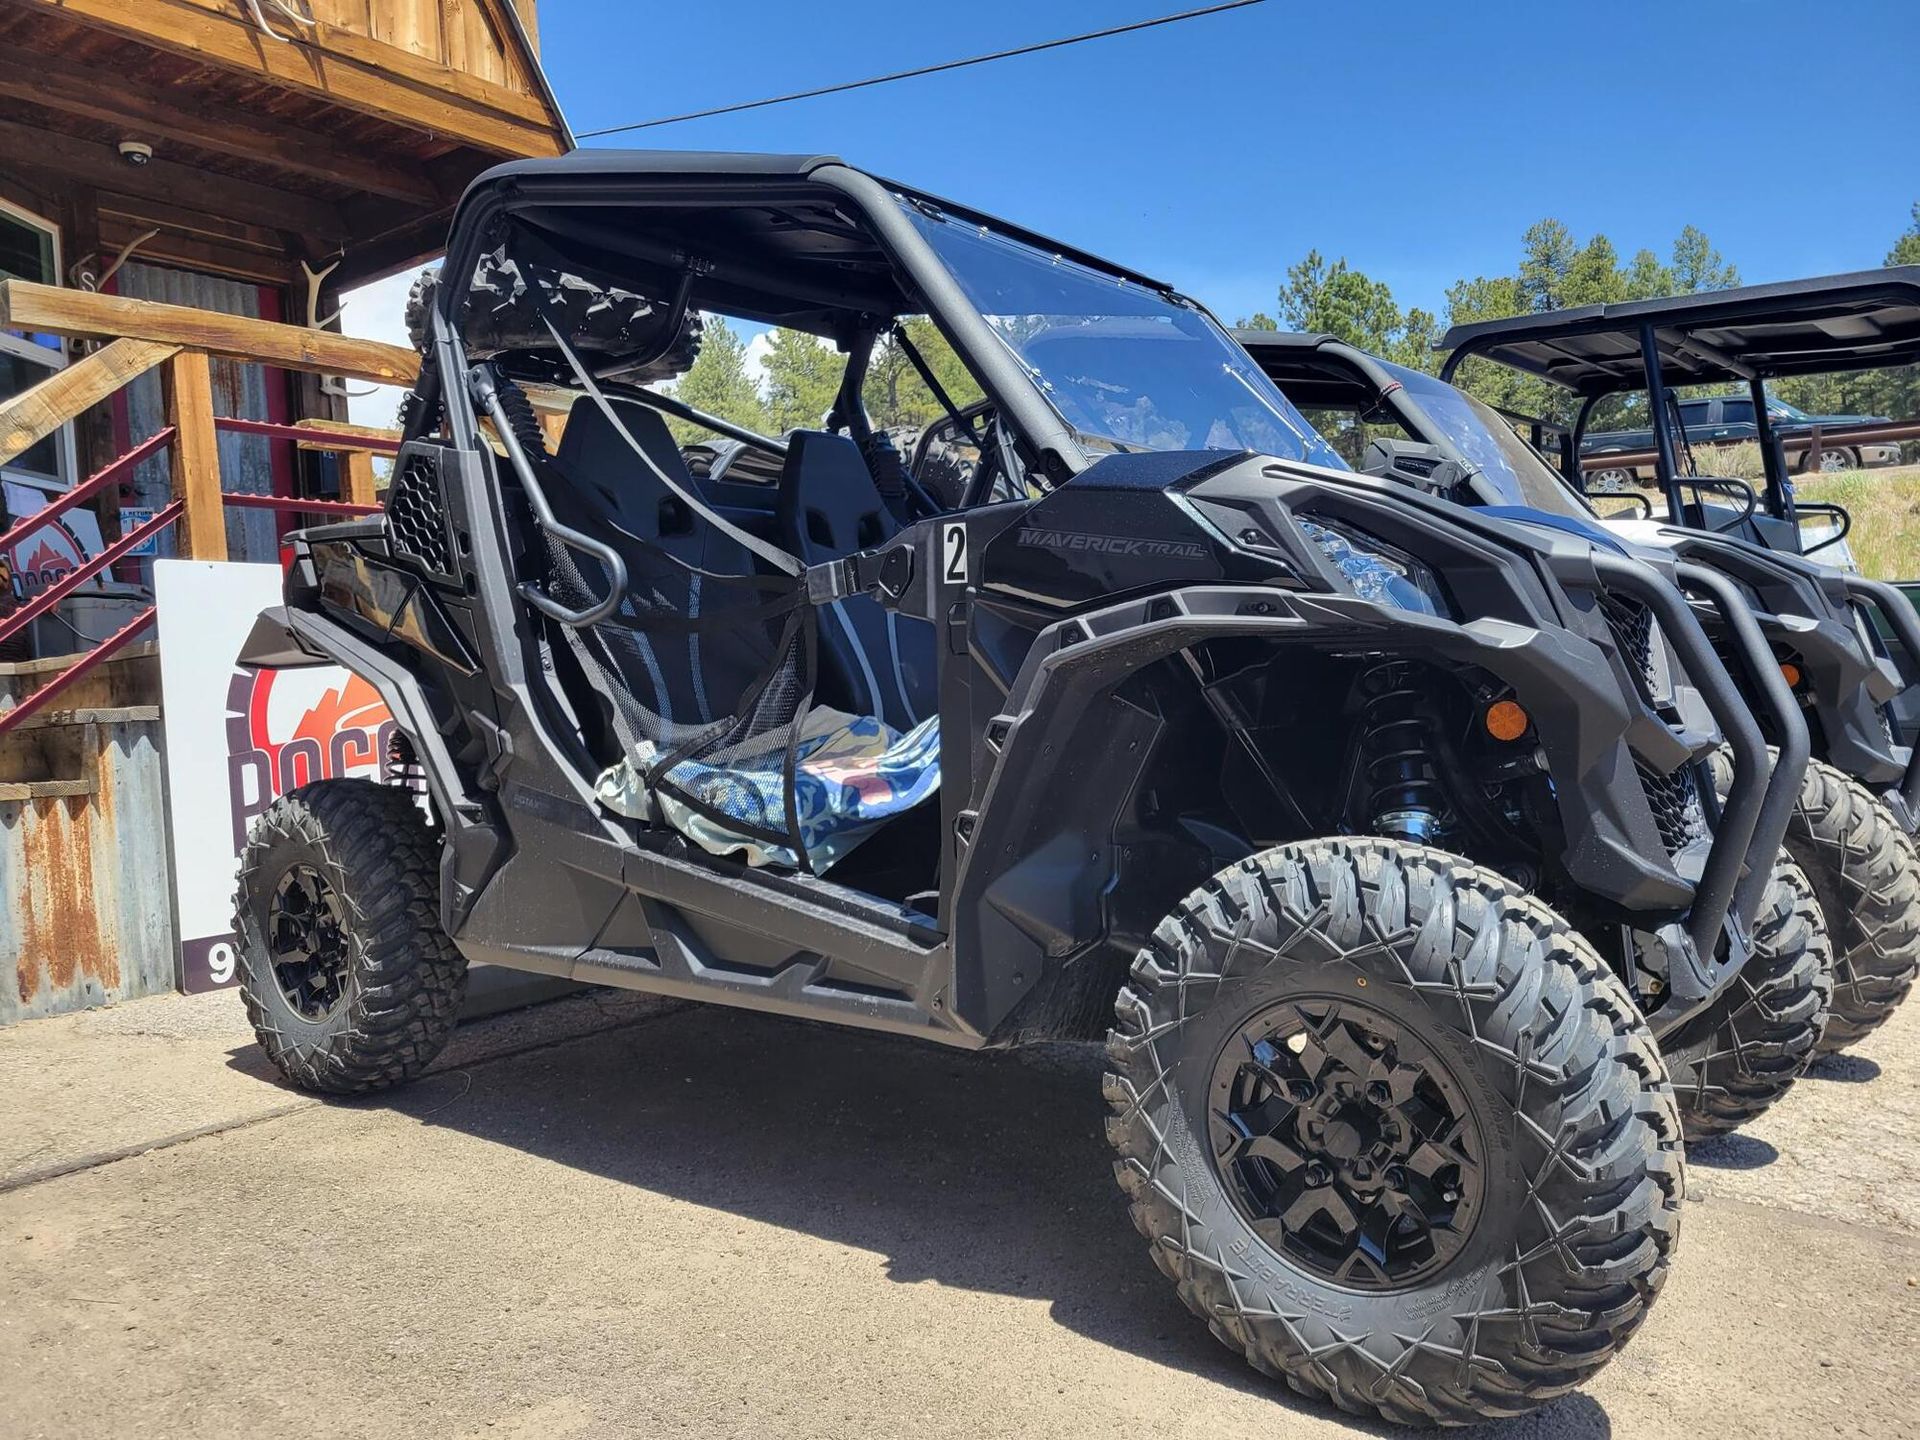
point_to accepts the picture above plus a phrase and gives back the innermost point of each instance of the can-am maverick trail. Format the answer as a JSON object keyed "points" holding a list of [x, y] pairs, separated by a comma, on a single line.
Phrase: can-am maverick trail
{"points": [[1155, 737], [1733, 1061], [1852, 645]]}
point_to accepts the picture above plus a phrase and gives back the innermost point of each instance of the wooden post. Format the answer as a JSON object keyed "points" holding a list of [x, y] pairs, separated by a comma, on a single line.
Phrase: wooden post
{"points": [[202, 531], [359, 477]]}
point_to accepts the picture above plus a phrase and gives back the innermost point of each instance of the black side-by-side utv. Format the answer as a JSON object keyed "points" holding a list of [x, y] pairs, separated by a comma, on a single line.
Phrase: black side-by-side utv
{"points": [[1171, 729], [1851, 644], [1402, 425]]}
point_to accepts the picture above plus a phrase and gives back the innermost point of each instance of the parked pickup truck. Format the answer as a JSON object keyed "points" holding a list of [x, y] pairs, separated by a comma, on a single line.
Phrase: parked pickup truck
{"points": [[1728, 420]]}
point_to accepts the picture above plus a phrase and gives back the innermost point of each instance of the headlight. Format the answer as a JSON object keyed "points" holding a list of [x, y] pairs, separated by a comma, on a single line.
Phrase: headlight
{"points": [[1378, 572]]}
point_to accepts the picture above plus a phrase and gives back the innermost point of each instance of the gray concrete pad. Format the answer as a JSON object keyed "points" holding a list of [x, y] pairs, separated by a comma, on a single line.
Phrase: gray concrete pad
{"points": [[714, 1224], [96, 1085]]}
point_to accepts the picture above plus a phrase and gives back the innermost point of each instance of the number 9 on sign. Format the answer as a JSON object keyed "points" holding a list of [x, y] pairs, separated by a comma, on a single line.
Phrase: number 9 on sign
{"points": [[221, 960]]}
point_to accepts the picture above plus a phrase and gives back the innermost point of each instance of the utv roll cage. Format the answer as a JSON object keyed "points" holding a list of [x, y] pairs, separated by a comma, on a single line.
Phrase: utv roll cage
{"points": [[755, 236]]}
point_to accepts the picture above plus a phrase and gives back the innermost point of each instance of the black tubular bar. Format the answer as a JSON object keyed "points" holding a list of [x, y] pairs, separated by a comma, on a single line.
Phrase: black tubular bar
{"points": [[680, 410], [1576, 473], [1905, 624], [1662, 422], [992, 362], [1740, 814], [1842, 517], [1790, 765], [1773, 457], [488, 394]]}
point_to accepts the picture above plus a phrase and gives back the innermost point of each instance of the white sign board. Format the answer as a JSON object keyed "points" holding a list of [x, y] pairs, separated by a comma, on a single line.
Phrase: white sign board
{"points": [[39, 559], [239, 739]]}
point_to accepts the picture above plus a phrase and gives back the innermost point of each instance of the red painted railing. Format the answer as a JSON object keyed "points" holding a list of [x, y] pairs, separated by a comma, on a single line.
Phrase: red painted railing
{"points": [[162, 520], [308, 435]]}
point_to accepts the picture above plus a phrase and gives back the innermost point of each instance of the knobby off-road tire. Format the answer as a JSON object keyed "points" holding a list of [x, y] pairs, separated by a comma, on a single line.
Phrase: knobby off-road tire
{"points": [[1866, 875], [346, 870], [1535, 1061], [1742, 1053], [420, 297]]}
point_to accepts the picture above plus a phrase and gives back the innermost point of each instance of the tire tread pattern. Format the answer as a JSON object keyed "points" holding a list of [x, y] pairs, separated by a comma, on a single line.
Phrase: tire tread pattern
{"points": [[408, 980], [1568, 1050], [1733, 1062], [1867, 876]]}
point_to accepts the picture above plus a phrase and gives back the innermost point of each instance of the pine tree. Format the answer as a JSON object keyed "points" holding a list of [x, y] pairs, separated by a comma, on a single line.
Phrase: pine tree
{"points": [[718, 383], [803, 377]]}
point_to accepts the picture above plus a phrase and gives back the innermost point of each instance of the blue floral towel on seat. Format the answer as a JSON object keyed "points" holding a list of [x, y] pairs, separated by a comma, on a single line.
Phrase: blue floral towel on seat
{"points": [[851, 772]]}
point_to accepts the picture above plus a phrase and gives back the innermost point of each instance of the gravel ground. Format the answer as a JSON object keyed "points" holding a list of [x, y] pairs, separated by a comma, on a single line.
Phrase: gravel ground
{"points": [[600, 1220]]}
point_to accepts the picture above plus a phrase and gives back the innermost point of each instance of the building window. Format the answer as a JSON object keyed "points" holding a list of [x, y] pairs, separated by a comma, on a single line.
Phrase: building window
{"points": [[30, 250]]}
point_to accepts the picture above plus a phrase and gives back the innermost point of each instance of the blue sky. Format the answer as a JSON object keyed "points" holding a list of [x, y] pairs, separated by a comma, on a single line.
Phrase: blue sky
{"points": [[1417, 140]]}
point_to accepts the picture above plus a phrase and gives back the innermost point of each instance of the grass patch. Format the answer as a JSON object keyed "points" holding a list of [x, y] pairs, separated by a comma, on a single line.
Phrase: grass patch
{"points": [[1885, 505]]}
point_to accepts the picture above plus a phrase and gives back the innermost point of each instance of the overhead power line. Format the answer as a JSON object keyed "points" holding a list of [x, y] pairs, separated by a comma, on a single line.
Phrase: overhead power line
{"points": [[925, 69]]}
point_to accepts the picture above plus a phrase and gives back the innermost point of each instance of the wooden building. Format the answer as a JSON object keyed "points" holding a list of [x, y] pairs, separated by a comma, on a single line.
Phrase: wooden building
{"points": [[239, 162], [254, 157]]}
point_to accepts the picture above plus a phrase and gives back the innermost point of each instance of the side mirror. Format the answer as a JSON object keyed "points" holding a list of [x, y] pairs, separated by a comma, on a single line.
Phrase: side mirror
{"points": [[1422, 466]]}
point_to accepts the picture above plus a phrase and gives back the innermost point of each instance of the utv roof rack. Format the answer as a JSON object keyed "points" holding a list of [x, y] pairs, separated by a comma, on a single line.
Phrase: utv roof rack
{"points": [[1865, 320]]}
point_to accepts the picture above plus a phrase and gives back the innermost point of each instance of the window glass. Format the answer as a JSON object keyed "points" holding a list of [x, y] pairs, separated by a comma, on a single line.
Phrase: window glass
{"points": [[1349, 434], [1737, 412], [1491, 445], [41, 459], [28, 252], [1126, 367]]}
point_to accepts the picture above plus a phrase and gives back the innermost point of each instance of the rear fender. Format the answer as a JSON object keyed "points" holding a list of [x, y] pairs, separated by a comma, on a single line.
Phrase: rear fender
{"points": [[291, 637]]}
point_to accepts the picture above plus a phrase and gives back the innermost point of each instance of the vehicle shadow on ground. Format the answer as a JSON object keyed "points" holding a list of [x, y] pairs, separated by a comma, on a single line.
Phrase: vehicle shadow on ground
{"points": [[989, 1172], [1732, 1152], [1844, 1069]]}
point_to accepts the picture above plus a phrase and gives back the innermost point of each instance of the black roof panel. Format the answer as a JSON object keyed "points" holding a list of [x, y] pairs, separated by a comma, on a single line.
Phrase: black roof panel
{"points": [[1314, 371], [1862, 321]]}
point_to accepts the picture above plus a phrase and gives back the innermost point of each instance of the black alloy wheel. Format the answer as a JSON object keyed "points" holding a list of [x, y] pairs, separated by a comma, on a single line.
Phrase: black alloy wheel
{"points": [[1346, 1143]]}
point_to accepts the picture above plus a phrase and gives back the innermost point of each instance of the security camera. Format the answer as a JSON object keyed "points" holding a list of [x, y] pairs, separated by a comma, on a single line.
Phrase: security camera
{"points": [[135, 152]]}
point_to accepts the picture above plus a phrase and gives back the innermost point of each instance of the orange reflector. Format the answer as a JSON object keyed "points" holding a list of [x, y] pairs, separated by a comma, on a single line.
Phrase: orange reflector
{"points": [[1506, 720], [1790, 672]]}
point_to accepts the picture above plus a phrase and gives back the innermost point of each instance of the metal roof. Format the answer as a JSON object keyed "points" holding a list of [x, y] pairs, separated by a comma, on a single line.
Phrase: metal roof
{"points": [[1866, 320]]}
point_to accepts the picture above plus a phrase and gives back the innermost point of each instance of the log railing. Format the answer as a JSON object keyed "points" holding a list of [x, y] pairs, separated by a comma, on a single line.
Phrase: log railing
{"points": [[142, 336]]}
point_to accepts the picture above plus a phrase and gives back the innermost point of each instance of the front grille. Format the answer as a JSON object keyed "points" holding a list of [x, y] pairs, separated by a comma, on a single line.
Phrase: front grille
{"points": [[415, 518], [1632, 626], [1675, 802], [1674, 799]]}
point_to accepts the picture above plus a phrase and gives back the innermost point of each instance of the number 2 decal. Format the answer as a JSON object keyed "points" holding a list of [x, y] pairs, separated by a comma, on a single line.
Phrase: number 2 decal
{"points": [[953, 547]]}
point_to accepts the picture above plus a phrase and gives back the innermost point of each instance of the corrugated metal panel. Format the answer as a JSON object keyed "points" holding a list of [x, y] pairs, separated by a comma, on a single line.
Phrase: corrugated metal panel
{"points": [[86, 907], [246, 461]]}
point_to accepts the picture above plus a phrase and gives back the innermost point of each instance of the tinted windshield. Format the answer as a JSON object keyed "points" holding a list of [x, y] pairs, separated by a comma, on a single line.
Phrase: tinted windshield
{"points": [[1125, 366], [1492, 446]]}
